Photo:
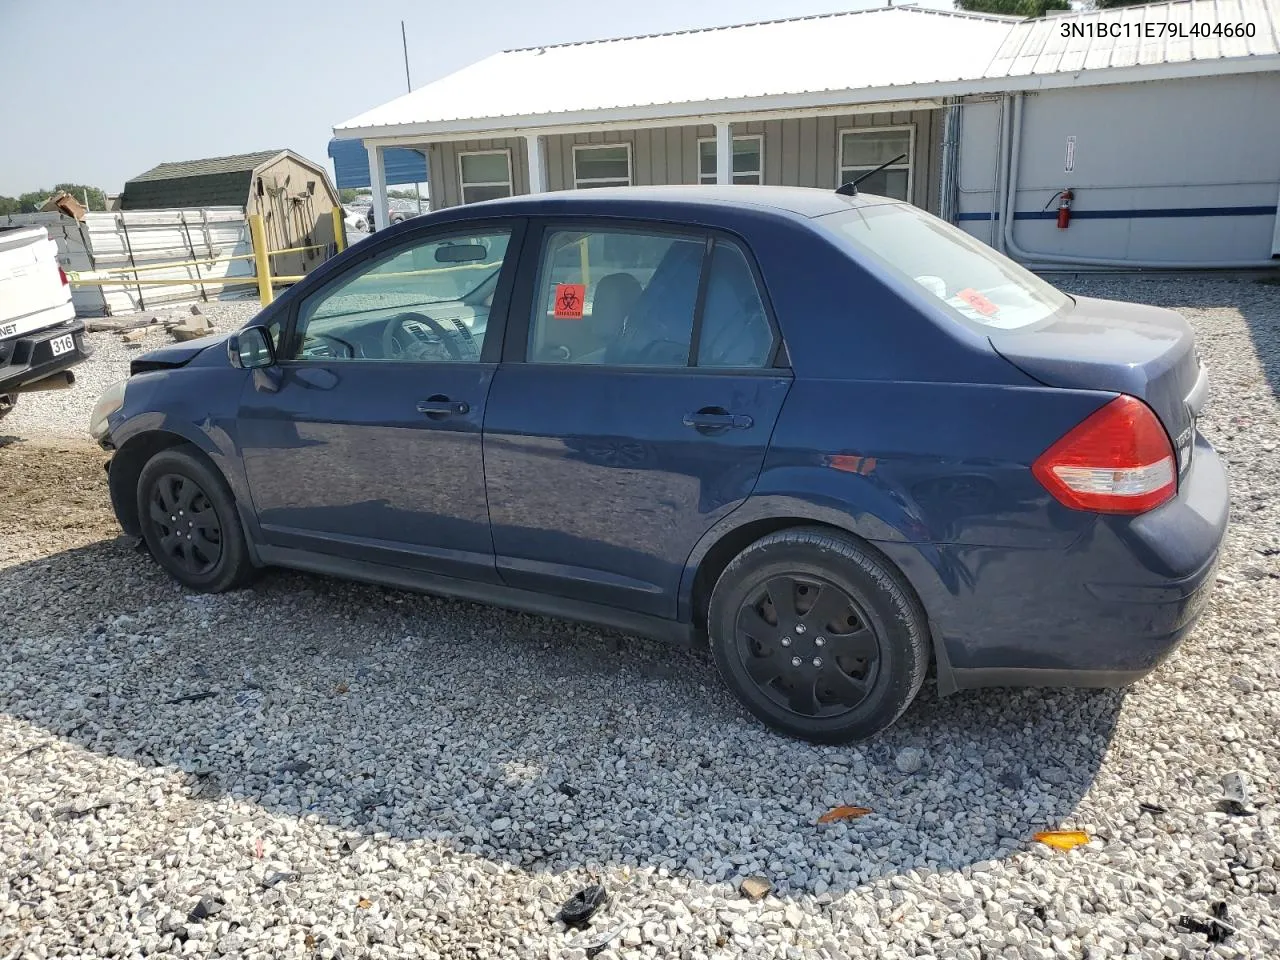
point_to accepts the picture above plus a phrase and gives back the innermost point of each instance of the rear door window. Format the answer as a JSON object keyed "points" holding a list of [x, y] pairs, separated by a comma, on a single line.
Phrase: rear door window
{"points": [[618, 297], [626, 297], [735, 328]]}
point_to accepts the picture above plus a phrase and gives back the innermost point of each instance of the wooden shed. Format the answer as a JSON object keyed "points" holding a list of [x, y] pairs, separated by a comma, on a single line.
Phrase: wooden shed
{"points": [[294, 196]]}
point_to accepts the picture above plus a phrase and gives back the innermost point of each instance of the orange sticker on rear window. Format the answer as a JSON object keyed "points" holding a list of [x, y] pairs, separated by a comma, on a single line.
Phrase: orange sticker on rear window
{"points": [[570, 299], [980, 303]]}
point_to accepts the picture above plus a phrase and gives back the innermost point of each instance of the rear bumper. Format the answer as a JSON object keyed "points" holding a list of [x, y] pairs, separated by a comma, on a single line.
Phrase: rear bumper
{"points": [[1103, 613], [29, 358]]}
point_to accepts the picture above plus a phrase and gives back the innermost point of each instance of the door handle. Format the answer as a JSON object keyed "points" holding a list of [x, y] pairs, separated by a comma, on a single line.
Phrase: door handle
{"points": [[716, 419], [440, 408]]}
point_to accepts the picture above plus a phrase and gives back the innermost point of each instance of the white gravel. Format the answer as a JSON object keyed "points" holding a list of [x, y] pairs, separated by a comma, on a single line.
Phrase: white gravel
{"points": [[378, 774]]}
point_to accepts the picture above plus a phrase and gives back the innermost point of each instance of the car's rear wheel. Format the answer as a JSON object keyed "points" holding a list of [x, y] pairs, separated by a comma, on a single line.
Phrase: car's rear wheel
{"points": [[189, 522], [7, 402], [818, 636]]}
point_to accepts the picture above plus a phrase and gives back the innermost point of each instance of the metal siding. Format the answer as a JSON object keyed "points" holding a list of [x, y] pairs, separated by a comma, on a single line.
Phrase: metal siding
{"points": [[442, 175], [790, 151], [641, 165], [978, 163], [1142, 147], [773, 153], [446, 188], [555, 162], [683, 163], [154, 237], [825, 158], [931, 147], [925, 160], [658, 154], [519, 162], [807, 156]]}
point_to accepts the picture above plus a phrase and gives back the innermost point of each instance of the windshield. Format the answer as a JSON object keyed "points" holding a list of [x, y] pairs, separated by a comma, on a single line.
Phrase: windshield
{"points": [[974, 282]]}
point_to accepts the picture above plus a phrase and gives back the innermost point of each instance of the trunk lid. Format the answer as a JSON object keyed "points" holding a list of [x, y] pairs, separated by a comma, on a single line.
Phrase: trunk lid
{"points": [[1146, 352]]}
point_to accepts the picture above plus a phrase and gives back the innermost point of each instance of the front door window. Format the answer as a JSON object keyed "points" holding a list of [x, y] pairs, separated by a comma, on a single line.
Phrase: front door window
{"points": [[428, 301]]}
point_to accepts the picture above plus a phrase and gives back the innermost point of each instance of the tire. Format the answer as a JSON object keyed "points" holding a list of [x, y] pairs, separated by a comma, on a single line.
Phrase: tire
{"points": [[848, 660], [7, 402], [179, 482]]}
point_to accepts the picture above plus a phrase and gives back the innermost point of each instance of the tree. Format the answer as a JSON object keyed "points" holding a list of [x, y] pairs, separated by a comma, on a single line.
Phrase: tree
{"points": [[351, 195], [1014, 8], [31, 201]]}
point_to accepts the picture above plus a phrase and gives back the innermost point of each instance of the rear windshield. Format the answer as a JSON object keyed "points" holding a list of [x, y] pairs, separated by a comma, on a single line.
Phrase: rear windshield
{"points": [[974, 282]]}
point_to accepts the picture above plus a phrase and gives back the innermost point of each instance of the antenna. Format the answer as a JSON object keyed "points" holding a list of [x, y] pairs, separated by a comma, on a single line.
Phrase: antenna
{"points": [[404, 41], [408, 85], [850, 189]]}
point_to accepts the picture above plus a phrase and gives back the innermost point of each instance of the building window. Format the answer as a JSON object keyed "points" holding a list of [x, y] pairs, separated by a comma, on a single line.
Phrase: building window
{"points": [[861, 151], [606, 165], [748, 159], [484, 175]]}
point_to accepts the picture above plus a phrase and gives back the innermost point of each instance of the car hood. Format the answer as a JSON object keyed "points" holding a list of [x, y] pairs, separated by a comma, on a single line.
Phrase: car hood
{"points": [[176, 354]]}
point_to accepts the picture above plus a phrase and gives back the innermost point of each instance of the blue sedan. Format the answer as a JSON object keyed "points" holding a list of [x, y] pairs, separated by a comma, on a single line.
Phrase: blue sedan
{"points": [[830, 437]]}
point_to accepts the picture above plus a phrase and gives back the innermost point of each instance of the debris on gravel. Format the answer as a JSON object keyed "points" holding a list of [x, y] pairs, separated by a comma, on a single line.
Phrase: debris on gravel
{"points": [[435, 778], [909, 759]]}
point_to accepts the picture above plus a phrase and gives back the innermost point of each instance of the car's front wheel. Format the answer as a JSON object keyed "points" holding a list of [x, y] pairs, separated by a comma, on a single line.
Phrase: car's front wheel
{"points": [[189, 522], [818, 636], [7, 402]]}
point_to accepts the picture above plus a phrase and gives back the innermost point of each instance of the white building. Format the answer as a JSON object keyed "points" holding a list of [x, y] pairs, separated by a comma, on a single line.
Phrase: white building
{"points": [[1162, 120]]}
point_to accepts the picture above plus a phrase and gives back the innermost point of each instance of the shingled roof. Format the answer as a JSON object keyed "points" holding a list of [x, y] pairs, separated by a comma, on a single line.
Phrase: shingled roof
{"points": [[212, 182]]}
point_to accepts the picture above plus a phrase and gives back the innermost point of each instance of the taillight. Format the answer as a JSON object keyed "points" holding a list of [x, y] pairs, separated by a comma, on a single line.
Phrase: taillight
{"points": [[62, 274], [1118, 460]]}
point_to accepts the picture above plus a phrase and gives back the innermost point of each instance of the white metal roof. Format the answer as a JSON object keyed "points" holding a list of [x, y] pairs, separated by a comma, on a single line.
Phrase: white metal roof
{"points": [[1156, 33], [886, 47], [824, 62]]}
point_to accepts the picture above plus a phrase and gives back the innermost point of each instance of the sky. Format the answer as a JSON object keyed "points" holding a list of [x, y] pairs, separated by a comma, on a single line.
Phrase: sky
{"points": [[105, 90]]}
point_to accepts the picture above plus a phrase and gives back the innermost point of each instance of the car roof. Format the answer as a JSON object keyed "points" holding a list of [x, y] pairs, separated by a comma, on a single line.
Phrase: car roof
{"points": [[804, 202]]}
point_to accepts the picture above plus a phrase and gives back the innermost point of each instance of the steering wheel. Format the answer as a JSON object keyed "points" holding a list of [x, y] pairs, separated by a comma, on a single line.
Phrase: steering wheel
{"points": [[343, 350], [452, 340]]}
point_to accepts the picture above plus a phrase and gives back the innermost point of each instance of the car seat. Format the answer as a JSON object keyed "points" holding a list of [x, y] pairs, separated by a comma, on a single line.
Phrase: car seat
{"points": [[735, 330], [658, 327]]}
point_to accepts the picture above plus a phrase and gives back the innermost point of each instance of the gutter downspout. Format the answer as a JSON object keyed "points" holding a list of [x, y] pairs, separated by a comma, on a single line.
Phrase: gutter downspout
{"points": [[948, 180], [1002, 175], [1011, 248]]}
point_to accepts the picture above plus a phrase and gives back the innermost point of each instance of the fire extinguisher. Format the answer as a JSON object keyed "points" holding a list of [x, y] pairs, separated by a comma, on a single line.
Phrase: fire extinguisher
{"points": [[1064, 208]]}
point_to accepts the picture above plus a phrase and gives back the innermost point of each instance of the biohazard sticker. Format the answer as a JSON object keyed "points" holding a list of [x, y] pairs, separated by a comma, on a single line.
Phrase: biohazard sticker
{"points": [[570, 299], [979, 303]]}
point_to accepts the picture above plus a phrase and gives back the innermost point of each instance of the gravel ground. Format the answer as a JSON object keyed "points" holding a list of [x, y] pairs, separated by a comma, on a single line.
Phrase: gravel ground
{"points": [[316, 769]]}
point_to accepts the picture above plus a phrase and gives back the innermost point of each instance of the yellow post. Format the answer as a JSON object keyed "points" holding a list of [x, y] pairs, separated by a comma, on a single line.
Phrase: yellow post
{"points": [[261, 258], [339, 229], [585, 262]]}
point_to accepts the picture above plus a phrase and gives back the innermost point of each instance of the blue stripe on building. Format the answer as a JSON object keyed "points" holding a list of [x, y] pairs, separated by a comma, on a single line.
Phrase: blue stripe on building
{"points": [[1131, 214]]}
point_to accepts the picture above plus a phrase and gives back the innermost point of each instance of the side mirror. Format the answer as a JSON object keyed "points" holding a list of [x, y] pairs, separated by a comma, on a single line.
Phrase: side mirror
{"points": [[251, 349]]}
